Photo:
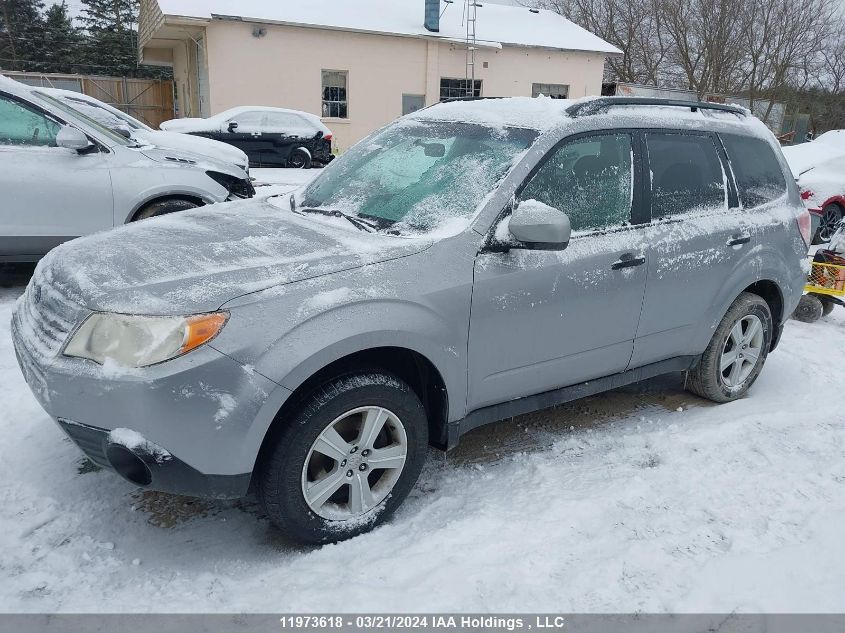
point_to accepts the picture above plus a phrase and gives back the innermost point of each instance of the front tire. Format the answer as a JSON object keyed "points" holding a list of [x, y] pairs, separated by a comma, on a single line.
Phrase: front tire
{"points": [[299, 159], [736, 353], [346, 461]]}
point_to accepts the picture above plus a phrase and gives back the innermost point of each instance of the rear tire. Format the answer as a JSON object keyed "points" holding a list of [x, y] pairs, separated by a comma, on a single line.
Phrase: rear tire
{"points": [[809, 310], [736, 353], [831, 217], [299, 159], [164, 207], [325, 478]]}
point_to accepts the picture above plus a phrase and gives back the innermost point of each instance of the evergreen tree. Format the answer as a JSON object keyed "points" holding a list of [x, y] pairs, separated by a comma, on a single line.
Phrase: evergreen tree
{"points": [[21, 34], [63, 50], [112, 41]]}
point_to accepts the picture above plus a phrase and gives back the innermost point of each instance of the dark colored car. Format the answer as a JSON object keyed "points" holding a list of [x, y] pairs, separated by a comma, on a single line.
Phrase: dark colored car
{"points": [[271, 137]]}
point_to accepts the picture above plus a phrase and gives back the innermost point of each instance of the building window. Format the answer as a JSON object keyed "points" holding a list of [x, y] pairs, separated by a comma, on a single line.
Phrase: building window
{"points": [[335, 104], [555, 91], [452, 88]]}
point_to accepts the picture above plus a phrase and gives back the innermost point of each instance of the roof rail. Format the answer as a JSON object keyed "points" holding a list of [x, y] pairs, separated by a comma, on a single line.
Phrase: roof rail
{"points": [[603, 104]]}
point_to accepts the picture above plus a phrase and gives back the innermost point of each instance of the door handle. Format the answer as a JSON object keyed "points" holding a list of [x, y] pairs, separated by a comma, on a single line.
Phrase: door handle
{"points": [[628, 260], [739, 239]]}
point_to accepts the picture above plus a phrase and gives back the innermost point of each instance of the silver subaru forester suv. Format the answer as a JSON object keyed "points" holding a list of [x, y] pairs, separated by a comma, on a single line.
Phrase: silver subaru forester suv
{"points": [[470, 262]]}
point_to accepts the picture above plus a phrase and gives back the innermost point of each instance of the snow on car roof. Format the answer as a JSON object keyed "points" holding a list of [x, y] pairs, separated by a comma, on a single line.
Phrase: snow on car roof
{"points": [[497, 24], [539, 113], [806, 156], [544, 114], [832, 136], [239, 109], [7, 83]]}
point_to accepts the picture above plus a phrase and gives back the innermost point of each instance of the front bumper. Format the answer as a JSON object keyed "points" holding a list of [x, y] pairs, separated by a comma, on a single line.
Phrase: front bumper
{"points": [[149, 466], [204, 411]]}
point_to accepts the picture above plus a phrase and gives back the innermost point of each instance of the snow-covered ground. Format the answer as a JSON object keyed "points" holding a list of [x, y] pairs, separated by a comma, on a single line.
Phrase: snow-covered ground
{"points": [[644, 499]]}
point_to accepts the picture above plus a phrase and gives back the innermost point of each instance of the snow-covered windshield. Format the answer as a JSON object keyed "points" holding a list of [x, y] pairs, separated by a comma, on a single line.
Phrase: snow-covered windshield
{"points": [[416, 176], [112, 136], [101, 115]]}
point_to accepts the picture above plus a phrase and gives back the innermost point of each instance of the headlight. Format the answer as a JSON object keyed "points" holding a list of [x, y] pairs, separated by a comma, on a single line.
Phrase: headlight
{"points": [[140, 341]]}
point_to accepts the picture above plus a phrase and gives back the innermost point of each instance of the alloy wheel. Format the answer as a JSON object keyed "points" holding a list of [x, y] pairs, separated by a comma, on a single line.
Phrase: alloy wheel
{"points": [[354, 463], [829, 222], [742, 351]]}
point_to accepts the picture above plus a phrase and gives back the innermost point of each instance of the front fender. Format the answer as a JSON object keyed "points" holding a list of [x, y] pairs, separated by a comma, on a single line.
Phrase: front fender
{"points": [[334, 334]]}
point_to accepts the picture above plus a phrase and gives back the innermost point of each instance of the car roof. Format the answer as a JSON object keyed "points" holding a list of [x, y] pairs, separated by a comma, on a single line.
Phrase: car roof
{"points": [[7, 84], [239, 109], [594, 113]]}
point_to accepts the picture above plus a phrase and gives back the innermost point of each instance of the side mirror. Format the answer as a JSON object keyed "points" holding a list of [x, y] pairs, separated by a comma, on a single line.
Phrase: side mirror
{"points": [[540, 227], [71, 138], [123, 131], [233, 125]]}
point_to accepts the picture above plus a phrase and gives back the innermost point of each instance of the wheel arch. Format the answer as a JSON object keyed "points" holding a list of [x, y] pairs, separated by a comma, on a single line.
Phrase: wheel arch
{"points": [[410, 365], [155, 199]]}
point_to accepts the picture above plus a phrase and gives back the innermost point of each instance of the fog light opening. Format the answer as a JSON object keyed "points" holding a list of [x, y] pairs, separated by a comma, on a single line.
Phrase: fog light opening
{"points": [[128, 465]]}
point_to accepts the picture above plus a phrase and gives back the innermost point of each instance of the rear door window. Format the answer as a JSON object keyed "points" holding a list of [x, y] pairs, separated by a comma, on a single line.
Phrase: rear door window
{"points": [[686, 174], [758, 173]]}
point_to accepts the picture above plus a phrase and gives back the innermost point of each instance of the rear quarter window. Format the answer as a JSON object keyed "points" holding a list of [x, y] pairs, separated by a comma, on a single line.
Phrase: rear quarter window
{"points": [[758, 173]]}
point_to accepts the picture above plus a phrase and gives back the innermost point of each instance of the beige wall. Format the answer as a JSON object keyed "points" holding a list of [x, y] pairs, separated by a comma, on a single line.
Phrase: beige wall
{"points": [[283, 69]]}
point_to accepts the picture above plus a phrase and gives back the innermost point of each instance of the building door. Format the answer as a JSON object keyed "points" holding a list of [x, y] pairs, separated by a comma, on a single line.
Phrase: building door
{"points": [[202, 78], [412, 103]]}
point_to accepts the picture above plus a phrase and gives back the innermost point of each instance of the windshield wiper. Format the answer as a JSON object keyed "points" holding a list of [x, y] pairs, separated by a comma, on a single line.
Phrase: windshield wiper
{"points": [[358, 223]]}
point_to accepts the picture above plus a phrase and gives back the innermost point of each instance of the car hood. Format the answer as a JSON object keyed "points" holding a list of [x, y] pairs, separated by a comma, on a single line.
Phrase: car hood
{"points": [[190, 125], [195, 145], [195, 261], [179, 157]]}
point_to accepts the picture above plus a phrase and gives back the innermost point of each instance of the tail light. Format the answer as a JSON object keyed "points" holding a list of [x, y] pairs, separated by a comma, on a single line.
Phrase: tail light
{"points": [[805, 226], [328, 137]]}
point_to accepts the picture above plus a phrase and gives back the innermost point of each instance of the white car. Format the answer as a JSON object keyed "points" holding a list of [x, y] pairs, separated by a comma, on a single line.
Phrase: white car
{"points": [[819, 169], [121, 122], [64, 175], [271, 137]]}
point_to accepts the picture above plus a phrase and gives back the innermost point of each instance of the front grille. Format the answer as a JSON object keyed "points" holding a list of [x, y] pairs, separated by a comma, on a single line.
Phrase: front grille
{"points": [[91, 440], [43, 319]]}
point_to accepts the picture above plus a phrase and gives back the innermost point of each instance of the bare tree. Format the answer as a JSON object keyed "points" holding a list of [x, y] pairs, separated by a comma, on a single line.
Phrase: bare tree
{"points": [[833, 63], [753, 47], [633, 26]]}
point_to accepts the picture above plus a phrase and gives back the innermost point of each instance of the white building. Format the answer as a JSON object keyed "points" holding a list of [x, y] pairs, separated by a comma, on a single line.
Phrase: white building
{"points": [[361, 63]]}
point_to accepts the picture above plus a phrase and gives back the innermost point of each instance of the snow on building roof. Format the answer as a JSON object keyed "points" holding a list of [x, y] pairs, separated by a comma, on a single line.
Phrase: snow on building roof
{"points": [[497, 24]]}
